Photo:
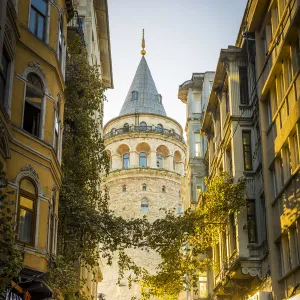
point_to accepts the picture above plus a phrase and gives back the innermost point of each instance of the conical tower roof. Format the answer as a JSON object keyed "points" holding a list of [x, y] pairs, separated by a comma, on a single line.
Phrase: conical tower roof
{"points": [[147, 99]]}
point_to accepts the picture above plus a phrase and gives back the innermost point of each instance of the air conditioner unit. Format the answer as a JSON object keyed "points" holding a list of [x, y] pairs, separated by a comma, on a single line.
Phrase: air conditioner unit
{"points": [[261, 296]]}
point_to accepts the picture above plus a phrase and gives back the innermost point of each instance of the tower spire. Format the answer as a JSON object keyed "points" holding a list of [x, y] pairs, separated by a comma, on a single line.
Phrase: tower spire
{"points": [[143, 52]]}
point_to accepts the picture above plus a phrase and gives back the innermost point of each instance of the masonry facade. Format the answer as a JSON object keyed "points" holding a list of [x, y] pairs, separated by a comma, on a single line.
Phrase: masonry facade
{"points": [[147, 154]]}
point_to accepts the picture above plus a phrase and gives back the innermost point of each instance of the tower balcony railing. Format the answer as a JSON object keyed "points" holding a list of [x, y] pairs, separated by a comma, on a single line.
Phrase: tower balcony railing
{"points": [[147, 129]]}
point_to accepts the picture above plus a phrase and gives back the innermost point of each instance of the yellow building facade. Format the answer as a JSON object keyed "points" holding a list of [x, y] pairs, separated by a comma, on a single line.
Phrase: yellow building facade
{"points": [[32, 52]]}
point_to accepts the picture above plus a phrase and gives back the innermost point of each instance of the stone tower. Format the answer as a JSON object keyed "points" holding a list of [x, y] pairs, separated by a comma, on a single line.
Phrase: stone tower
{"points": [[147, 155]]}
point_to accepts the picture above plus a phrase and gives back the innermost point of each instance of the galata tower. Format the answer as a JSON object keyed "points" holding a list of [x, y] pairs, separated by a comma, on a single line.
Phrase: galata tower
{"points": [[147, 154]]}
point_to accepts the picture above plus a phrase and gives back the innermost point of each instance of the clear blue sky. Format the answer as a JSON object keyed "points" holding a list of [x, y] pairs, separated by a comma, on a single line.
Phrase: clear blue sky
{"points": [[182, 37]]}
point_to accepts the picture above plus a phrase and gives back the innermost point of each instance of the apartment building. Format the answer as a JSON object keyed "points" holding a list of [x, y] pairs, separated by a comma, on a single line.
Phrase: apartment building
{"points": [[274, 25], [231, 125], [32, 55], [195, 93]]}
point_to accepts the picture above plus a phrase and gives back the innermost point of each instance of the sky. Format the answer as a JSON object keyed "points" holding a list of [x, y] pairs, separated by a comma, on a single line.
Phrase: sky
{"points": [[182, 37]]}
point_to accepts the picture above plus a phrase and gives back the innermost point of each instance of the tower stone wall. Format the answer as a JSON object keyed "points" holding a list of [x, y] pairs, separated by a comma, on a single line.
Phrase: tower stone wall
{"points": [[147, 155]]}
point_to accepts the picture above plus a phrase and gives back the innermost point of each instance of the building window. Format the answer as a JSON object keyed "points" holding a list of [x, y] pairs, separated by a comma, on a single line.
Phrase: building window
{"points": [[274, 180], [295, 151], [210, 86], [56, 129], [179, 209], [143, 159], [251, 221], [159, 161], [26, 212], [247, 150], [4, 78], [163, 188], [124, 188], [281, 89], [144, 206], [232, 232], [143, 126], [159, 128], [126, 161], [288, 165], [244, 93], [38, 16], [60, 39], [203, 289], [144, 187], [197, 144], [227, 100], [289, 72], [198, 191], [159, 98], [52, 224], [134, 95], [33, 105]]}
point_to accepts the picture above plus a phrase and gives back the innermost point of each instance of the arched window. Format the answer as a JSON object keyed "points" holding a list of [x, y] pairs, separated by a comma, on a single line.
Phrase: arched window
{"points": [[143, 159], [159, 98], [134, 95], [33, 105], [124, 188], [126, 127], [144, 205], [163, 189], [159, 128], [144, 187], [159, 161], [143, 126], [179, 209], [126, 161], [26, 212], [60, 39]]}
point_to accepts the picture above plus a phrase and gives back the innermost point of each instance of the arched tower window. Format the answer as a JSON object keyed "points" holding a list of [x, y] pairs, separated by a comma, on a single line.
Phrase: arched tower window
{"points": [[162, 153], [143, 159], [159, 98], [159, 128], [163, 189], [126, 161], [26, 212], [144, 187], [144, 205], [134, 95], [124, 188], [33, 105]]}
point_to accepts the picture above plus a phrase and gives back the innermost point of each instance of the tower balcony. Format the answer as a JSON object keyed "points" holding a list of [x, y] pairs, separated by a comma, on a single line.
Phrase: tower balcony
{"points": [[145, 129]]}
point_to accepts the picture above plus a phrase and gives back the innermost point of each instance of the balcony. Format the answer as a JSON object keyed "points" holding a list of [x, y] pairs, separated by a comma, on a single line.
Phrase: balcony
{"points": [[76, 25], [147, 129]]}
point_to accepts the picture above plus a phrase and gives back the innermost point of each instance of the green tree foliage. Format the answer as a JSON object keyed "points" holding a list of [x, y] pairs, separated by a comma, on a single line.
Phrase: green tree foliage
{"points": [[10, 256]]}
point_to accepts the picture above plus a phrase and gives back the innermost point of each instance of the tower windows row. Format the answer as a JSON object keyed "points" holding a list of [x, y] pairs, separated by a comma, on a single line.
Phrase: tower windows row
{"points": [[144, 188], [135, 97]]}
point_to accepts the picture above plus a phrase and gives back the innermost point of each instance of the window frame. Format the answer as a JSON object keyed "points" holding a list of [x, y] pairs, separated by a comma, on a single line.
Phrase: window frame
{"points": [[34, 198], [243, 84], [145, 158], [37, 13], [126, 158], [144, 187], [251, 216], [161, 159], [247, 151], [144, 205]]}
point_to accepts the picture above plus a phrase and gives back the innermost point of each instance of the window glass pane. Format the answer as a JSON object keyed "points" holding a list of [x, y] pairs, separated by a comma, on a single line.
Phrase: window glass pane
{"points": [[28, 186], [126, 161], [33, 16], [25, 202], [143, 159], [4, 64], [25, 226], [159, 161], [144, 206], [41, 25], [41, 5]]}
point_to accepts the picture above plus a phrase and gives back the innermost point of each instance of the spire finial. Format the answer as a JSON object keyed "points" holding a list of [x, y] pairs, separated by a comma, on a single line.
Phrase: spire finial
{"points": [[143, 52]]}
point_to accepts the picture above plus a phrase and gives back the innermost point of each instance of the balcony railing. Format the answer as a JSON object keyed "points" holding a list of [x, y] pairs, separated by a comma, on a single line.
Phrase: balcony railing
{"points": [[167, 132], [76, 24]]}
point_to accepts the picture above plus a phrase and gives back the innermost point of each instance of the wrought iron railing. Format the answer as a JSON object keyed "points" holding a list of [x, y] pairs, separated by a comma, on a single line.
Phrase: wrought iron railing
{"points": [[167, 132]]}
